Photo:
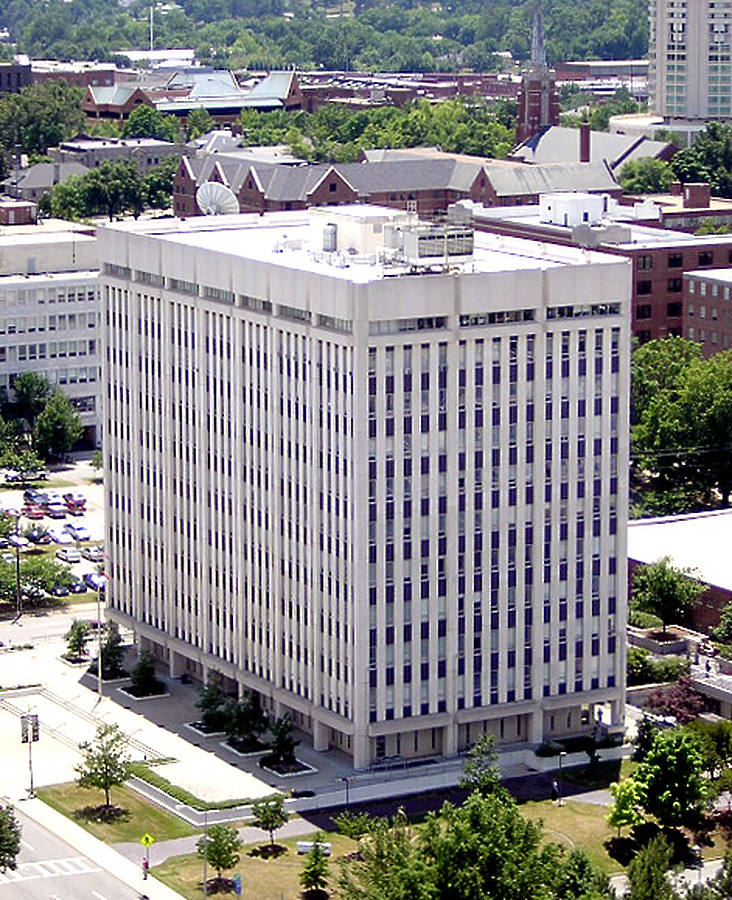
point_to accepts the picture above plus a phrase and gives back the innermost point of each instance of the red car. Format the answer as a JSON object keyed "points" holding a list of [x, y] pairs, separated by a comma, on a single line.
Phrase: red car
{"points": [[32, 512]]}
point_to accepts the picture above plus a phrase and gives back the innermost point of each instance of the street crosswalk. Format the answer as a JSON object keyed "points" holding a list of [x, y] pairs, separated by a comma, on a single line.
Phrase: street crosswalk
{"points": [[48, 868]]}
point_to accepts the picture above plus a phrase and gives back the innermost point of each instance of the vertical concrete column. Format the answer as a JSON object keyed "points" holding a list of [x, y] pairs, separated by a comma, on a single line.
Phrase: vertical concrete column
{"points": [[361, 751], [535, 726], [320, 736], [175, 664], [450, 739]]}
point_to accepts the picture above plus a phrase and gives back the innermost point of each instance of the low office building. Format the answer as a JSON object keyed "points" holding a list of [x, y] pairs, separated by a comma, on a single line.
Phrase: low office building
{"points": [[50, 312], [372, 469]]}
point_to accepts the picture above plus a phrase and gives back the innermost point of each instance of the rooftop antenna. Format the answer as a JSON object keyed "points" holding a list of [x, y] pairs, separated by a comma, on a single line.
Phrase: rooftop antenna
{"points": [[538, 52]]}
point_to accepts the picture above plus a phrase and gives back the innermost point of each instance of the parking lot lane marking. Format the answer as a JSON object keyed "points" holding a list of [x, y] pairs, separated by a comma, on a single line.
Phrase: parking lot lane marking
{"points": [[27, 845], [98, 895]]}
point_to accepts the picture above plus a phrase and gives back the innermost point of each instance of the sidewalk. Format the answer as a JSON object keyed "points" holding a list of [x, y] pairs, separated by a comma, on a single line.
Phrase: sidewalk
{"points": [[686, 878], [104, 856]]}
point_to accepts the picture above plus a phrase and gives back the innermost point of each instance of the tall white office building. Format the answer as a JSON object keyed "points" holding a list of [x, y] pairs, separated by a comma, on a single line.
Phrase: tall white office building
{"points": [[372, 469], [690, 43]]}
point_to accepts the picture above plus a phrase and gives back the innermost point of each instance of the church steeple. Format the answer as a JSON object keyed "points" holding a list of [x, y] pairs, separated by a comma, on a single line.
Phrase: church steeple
{"points": [[538, 54]]}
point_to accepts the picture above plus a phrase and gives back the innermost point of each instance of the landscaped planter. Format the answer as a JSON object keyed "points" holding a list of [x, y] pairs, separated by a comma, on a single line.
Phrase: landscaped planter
{"points": [[303, 769], [148, 697], [194, 726], [675, 643], [244, 754]]}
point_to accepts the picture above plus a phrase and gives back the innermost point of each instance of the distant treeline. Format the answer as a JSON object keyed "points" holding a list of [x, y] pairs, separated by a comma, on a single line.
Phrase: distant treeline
{"points": [[400, 35]]}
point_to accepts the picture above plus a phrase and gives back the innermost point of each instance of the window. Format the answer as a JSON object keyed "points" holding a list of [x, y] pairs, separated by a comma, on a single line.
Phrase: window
{"points": [[645, 311], [675, 285], [644, 287], [675, 260], [706, 258], [645, 263], [673, 309]]}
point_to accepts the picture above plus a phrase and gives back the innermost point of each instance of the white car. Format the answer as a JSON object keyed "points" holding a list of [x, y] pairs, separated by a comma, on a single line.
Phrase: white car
{"points": [[17, 540], [78, 532], [60, 537], [68, 554]]}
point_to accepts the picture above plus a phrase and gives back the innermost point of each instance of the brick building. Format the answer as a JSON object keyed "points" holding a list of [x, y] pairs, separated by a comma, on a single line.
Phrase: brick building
{"points": [[660, 258]]}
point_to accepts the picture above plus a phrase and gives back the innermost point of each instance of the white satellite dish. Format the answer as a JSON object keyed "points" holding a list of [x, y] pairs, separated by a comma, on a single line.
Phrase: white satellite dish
{"points": [[215, 199]]}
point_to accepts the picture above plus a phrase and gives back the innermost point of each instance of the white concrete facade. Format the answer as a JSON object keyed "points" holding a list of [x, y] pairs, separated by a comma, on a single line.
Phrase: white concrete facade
{"points": [[393, 502], [50, 312], [690, 43]]}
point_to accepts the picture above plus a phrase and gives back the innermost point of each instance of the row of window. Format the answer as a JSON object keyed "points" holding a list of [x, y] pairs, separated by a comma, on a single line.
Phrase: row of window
{"points": [[31, 324], [675, 260]]}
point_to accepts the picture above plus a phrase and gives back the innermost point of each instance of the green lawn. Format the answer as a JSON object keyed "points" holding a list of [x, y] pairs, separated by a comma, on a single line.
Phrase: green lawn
{"points": [[139, 816], [265, 879]]}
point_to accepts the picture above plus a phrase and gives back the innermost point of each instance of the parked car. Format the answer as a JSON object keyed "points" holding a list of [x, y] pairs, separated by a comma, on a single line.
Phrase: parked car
{"points": [[78, 532], [77, 586], [93, 554], [60, 537], [35, 497], [75, 510], [56, 511], [95, 581], [17, 540], [38, 536], [74, 498], [8, 558], [32, 512], [60, 590], [68, 554]]}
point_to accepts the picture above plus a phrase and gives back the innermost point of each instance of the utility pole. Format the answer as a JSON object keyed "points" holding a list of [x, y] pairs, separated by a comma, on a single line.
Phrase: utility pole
{"points": [[29, 734]]}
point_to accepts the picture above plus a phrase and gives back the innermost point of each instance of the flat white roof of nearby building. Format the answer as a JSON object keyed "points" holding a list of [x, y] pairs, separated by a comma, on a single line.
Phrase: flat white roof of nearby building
{"points": [[46, 227], [717, 276], [282, 239], [46, 278], [641, 236], [700, 541]]}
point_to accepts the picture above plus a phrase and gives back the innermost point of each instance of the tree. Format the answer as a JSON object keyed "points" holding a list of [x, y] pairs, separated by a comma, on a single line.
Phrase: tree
{"points": [[97, 461], [9, 839], [671, 778], [146, 122], [664, 590], [40, 116], [714, 741], [723, 631], [113, 652], [105, 764], [58, 427], [220, 848], [42, 573], [480, 769], [648, 872], [680, 700], [644, 738], [32, 392], [315, 871], [627, 810], [270, 815], [354, 825], [199, 122], [76, 639], [708, 159], [244, 720], [646, 176], [145, 682], [212, 702], [282, 745]]}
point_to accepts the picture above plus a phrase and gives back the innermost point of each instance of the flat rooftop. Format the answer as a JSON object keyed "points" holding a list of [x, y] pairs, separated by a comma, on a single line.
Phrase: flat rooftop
{"points": [[641, 236], [700, 541], [284, 239], [48, 229]]}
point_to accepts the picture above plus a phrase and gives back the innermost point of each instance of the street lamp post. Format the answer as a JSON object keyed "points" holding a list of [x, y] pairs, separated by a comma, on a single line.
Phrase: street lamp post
{"points": [[205, 854], [347, 781], [560, 801], [99, 647]]}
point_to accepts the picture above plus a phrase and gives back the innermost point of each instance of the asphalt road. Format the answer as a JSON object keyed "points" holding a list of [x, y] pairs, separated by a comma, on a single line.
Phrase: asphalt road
{"points": [[50, 869], [50, 625]]}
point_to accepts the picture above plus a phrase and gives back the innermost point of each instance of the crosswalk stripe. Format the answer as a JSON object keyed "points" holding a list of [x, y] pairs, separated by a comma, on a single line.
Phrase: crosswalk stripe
{"points": [[48, 868]]}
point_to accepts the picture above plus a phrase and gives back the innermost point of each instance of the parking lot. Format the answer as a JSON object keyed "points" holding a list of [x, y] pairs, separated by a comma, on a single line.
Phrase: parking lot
{"points": [[78, 478]]}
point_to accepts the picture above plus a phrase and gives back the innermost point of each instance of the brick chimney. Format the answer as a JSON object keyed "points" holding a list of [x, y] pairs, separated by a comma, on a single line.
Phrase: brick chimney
{"points": [[697, 195], [675, 189], [584, 139]]}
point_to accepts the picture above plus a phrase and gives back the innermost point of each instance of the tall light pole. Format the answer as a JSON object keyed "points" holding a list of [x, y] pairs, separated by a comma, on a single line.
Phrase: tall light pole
{"points": [[205, 855], [560, 801], [99, 647]]}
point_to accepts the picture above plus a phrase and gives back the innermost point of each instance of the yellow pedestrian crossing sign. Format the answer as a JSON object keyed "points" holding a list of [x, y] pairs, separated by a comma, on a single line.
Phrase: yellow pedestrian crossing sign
{"points": [[147, 840]]}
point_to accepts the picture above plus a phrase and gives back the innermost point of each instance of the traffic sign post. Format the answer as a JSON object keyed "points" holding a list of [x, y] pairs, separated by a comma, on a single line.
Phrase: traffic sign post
{"points": [[30, 732], [147, 840]]}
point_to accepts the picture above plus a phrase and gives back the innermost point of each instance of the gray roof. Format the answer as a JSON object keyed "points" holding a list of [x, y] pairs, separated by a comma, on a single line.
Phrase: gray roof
{"points": [[112, 96], [556, 144], [276, 86], [521, 180], [45, 175]]}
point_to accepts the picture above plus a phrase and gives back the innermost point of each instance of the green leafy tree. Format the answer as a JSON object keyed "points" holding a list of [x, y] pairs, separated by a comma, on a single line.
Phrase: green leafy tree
{"points": [[220, 847], [41, 573], [58, 427], [97, 461], [212, 702], [671, 779], [106, 763], [282, 745], [158, 183], [665, 590], [480, 769], [708, 159], [354, 824], [146, 122], [10, 834], [714, 741], [270, 815], [40, 116], [76, 639], [627, 810], [244, 720], [199, 122], [315, 871], [144, 680], [113, 652], [648, 872], [25, 462], [644, 737], [723, 631], [32, 393], [646, 176]]}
